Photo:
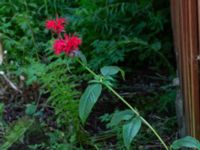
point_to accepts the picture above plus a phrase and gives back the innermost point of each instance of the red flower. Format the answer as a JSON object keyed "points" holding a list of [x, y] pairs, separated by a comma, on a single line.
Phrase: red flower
{"points": [[72, 43], [59, 46], [67, 45], [56, 26]]}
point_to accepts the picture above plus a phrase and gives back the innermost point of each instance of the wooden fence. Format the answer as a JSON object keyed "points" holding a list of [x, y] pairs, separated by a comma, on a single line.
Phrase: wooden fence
{"points": [[186, 30]]}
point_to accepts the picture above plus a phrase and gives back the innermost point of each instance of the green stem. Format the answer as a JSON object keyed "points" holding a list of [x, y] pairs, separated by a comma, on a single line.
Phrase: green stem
{"points": [[88, 69], [128, 105], [143, 120]]}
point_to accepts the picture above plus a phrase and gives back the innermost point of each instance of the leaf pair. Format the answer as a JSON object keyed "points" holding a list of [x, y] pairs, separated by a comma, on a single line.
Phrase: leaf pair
{"points": [[93, 91], [90, 97], [130, 129]]}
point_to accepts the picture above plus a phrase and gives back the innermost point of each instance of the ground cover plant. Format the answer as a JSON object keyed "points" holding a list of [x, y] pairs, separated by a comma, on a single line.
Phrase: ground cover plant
{"points": [[41, 103]]}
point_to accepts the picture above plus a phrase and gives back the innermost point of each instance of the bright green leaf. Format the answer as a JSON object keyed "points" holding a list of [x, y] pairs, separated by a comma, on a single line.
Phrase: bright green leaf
{"points": [[120, 116], [187, 141], [130, 130], [88, 99], [112, 70]]}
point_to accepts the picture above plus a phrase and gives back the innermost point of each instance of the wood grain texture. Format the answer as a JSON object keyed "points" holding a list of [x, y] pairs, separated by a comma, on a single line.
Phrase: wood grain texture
{"points": [[186, 26]]}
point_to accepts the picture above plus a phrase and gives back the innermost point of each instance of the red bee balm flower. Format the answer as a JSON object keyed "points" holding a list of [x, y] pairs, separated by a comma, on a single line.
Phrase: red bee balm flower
{"points": [[56, 26], [67, 45], [72, 43], [59, 46]]}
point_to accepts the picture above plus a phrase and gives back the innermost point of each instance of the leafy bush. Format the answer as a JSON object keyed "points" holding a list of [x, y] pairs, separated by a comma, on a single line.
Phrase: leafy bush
{"points": [[114, 30]]}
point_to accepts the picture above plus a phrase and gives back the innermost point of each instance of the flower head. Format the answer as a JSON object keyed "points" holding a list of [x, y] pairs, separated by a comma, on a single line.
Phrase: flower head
{"points": [[67, 45], [72, 43], [56, 26], [58, 46]]}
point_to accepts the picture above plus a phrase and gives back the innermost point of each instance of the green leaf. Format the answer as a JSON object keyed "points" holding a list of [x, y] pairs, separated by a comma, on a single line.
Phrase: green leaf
{"points": [[30, 109], [88, 99], [112, 70], [156, 46], [109, 80], [120, 116], [130, 130], [16, 132], [187, 141]]}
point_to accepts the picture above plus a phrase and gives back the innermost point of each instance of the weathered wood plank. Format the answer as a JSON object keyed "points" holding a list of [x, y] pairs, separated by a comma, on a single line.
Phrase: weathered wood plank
{"points": [[186, 25]]}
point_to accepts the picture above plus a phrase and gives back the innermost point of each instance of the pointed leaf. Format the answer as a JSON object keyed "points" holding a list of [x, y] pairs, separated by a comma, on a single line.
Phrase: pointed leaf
{"points": [[130, 130], [187, 141], [112, 70], [88, 99], [120, 116]]}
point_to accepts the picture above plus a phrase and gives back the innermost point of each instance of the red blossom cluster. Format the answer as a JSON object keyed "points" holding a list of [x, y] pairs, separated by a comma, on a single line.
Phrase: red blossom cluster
{"points": [[56, 26], [66, 44]]}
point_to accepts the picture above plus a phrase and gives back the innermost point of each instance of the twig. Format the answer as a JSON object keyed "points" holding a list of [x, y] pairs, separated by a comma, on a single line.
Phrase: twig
{"points": [[12, 85]]}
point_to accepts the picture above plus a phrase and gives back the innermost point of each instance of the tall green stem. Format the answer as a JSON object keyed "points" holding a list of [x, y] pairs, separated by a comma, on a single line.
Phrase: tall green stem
{"points": [[143, 120], [128, 105]]}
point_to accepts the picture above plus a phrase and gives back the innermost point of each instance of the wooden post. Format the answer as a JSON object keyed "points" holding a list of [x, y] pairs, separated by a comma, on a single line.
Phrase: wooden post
{"points": [[186, 30]]}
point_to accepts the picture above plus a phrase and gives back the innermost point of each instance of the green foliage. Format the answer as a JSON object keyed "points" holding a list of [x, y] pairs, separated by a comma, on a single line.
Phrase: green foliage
{"points": [[112, 31], [19, 28], [57, 85], [2, 124], [55, 144], [130, 130], [1, 109], [125, 28], [16, 132], [112, 70], [30, 109], [88, 99], [63, 95], [188, 142], [34, 71], [166, 99], [120, 116]]}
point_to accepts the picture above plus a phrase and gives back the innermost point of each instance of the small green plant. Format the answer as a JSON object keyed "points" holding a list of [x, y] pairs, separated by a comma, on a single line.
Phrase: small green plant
{"points": [[63, 98]]}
